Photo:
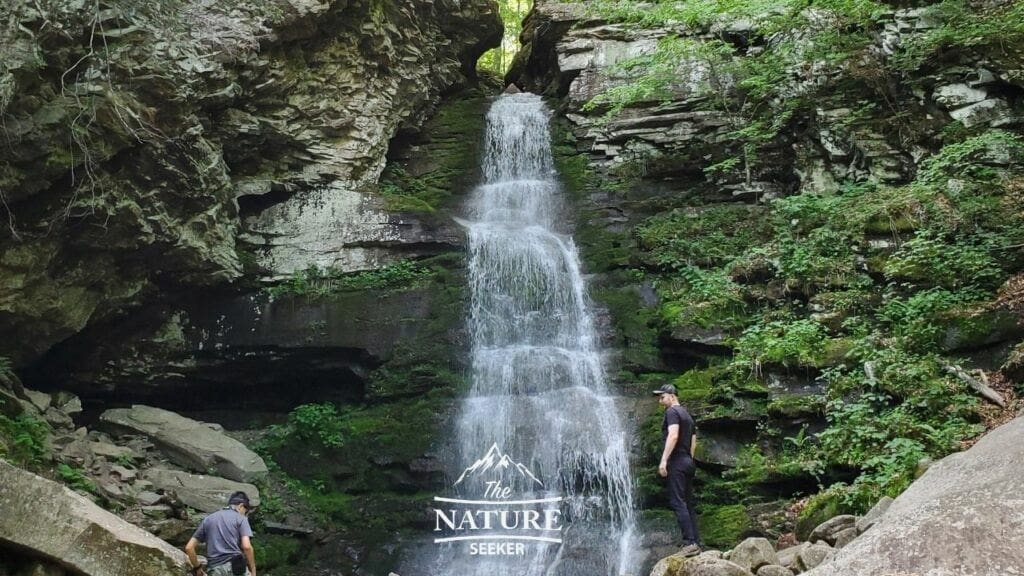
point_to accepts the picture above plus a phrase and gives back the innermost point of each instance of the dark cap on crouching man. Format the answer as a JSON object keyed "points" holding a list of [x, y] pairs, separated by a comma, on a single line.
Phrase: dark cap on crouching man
{"points": [[678, 430], [227, 535]]}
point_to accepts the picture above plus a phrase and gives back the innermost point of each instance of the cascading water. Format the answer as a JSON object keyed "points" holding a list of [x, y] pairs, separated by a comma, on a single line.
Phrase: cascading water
{"points": [[539, 393]]}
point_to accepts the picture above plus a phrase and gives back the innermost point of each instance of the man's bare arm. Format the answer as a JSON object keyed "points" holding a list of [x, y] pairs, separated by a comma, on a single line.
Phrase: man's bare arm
{"points": [[670, 445], [693, 446], [250, 557], [190, 551]]}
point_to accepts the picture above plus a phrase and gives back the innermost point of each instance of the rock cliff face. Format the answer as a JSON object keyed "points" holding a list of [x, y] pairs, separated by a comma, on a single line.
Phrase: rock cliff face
{"points": [[158, 148], [750, 196]]}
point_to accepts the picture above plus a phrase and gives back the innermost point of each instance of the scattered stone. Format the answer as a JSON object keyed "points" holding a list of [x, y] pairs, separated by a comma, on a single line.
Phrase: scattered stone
{"points": [[876, 512], [789, 557], [705, 566], [125, 474], [67, 403], [158, 511], [41, 400], [110, 451], [12, 406], [828, 529], [147, 498], [993, 111], [712, 554], [958, 95], [844, 537], [279, 528], [189, 443], [53, 522], [753, 553], [204, 493], [774, 570], [814, 555], [57, 419]]}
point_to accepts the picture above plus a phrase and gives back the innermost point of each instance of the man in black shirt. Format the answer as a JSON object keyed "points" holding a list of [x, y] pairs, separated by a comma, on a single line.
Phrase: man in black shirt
{"points": [[679, 433]]}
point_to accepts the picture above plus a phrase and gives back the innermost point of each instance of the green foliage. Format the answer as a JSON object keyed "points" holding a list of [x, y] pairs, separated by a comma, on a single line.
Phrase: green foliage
{"points": [[990, 31], [277, 552], [318, 423], [710, 236], [317, 282], [498, 60], [706, 298], [787, 343], [76, 479], [24, 439], [723, 526], [930, 260]]}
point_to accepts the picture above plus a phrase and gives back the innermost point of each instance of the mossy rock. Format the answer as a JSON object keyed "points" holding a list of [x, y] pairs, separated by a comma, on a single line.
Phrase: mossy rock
{"points": [[820, 507], [724, 526], [636, 326], [277, 552], [695, 388], [796, 406], [431, 171]]}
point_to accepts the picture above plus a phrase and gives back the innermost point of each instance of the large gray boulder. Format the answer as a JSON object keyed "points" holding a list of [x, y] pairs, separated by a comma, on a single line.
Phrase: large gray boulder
{"points": [[188, 442], [964, 517], [753, 553], [703, 565], [51, 521], [204, 493]]}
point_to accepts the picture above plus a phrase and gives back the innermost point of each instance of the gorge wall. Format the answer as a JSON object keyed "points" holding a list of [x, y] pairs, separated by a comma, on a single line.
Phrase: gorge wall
{"points": [[808, 219], [231, 209]]}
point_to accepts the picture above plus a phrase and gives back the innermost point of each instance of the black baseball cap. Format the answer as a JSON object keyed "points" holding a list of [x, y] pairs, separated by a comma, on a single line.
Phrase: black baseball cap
{"points": [[666, 389]]}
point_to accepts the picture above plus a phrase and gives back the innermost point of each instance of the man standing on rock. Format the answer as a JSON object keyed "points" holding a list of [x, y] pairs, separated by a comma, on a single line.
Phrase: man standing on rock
{"points": [[227, 535], [679, 433]]}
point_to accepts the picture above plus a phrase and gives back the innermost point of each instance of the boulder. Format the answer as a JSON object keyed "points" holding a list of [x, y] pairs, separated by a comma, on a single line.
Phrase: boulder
{"points": [[993, 111], [828, 529], [753, 553], [957, 95], [774, 570], [679, 565], [204, 493], [40, 400], [704, 566], [868, 520], [51, 521], [964, 516], [788, 557], [814, 555], [188, 442], [844, 537]]}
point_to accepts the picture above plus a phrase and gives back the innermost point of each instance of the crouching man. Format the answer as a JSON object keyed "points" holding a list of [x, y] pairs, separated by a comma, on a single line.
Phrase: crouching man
{"points": [[227, 535]]}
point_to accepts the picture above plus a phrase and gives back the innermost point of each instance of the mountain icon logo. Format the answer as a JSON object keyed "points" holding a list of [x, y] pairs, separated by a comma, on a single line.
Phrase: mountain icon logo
{"points": [[495, 461]]}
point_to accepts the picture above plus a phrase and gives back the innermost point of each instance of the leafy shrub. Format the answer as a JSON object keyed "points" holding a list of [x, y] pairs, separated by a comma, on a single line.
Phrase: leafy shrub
{"points": [[319, 423], [694, 296], [23, 439], [931, 260], [782, 342], [323, 282], [76, 479]]}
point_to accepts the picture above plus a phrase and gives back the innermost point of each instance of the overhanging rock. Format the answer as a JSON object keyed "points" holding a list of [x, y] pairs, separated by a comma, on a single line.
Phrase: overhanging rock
{"points": [[52, 521]]}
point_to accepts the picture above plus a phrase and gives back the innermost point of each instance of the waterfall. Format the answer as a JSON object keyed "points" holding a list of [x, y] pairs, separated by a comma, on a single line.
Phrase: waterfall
{"points": [[539, 411]]}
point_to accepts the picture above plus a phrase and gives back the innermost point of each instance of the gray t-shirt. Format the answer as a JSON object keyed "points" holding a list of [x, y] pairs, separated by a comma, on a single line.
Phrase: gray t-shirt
{"points": [[222, 532]]}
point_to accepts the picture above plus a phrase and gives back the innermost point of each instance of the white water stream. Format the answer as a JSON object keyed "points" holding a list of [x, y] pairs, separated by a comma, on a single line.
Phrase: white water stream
{"points": [[539, 390]]}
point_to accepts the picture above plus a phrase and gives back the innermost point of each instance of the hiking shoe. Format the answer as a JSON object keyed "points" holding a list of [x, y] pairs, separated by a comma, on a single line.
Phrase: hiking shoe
{"points": [[690, 550]]}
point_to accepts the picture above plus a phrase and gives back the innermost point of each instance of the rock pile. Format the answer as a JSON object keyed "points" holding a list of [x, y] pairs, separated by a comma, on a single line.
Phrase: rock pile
{"points": [[153, 465], [758, 557]]}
